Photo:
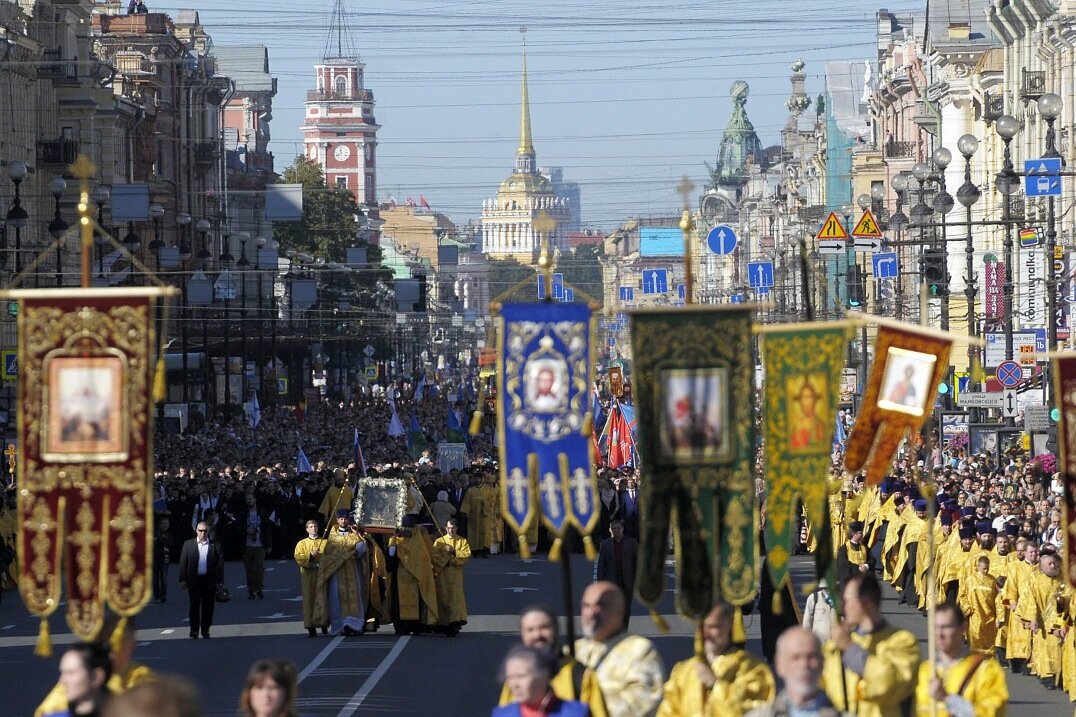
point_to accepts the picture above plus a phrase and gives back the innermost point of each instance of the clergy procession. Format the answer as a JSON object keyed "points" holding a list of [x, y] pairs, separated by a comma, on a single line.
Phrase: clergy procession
{"points": [[716, 482]]}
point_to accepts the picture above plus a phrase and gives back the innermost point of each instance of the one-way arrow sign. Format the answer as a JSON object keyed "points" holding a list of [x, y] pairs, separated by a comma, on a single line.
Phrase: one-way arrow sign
{"points": [[830, 246], [866, 244], [1008, 405]]}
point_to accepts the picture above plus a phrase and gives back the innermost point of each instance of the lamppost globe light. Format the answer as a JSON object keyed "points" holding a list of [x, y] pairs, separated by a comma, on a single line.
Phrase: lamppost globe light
{"points": [[16, 171], [968, 194], [101, 194], [156, 211], [864, 201], [942, 157], [1007, 126], [921, 171], [183, 219], [202, 225], [967, 145], [57, 186], [1050, 106], [846, 210], [900, 182], [878, 191], [260, 241]]}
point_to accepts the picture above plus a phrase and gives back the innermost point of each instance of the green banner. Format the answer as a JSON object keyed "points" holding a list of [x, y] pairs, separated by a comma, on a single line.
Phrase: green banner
{"points": [[693, 382], [802, 365]]}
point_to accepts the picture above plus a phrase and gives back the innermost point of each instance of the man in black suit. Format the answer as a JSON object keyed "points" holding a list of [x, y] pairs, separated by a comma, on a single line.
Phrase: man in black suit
{"points": [[629, 508], [201, 568], [617, 556]]}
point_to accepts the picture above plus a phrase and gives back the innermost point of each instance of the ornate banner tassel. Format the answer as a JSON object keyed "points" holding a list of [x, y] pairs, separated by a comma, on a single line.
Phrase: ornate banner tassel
{"points": [[659, 621], [476, 423], [44, 641], [524, 548], [739, 634], [116, 639], [554, 551], [589, 549], [160, 391]]}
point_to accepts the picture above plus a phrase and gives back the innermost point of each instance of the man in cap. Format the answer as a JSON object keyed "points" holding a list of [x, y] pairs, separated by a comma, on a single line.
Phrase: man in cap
{"points": [[852, 557], [915, 524], [956, 562]]}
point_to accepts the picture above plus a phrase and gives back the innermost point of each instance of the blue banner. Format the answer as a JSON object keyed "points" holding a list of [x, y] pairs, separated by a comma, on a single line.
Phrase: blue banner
{"points": [[545, 374]]}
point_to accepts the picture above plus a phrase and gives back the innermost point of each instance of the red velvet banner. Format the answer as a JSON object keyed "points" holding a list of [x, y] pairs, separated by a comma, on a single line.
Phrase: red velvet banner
{"points": [[1065, 391]]}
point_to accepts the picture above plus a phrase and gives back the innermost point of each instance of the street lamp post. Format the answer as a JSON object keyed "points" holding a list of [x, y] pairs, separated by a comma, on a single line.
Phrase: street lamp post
{"points": [[1007, 126], [898, 221], [58, 227], [17, 216], [225, 259], [204, 256], [101, 194], [242, 264], [968, 194], [1050, 106], [184, 220], [156, 212]]}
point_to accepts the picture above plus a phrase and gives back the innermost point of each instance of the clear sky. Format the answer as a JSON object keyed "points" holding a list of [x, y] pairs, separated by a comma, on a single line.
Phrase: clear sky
{"points": [[626, 95]]}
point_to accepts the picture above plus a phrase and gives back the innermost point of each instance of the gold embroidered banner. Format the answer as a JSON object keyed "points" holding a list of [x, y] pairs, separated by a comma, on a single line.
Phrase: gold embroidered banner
{"points": [[1064, 368], [802, 366], [87, 363], [909, 363], [694, 393]]}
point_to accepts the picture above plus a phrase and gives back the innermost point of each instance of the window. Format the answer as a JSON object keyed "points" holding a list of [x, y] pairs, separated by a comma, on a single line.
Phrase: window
{"points": [[341, 85], [341, 182]]}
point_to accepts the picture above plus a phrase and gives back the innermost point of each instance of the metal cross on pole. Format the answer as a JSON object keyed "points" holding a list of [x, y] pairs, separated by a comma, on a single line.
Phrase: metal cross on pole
{"points": [[687, 226], [545, 225]]}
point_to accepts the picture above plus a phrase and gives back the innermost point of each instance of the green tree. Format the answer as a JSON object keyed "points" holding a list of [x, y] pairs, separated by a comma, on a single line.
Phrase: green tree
{"points": [[511, 281]]}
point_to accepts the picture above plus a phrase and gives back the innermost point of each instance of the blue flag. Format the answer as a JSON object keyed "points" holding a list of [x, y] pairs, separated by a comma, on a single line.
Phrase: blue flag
{"points": [[839, 434], [304, 463], [416, 438], [360, 461]]}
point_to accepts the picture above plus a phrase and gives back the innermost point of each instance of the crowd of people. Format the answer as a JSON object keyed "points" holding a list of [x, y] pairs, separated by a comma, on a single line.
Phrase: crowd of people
{"points": [[977, 534]]}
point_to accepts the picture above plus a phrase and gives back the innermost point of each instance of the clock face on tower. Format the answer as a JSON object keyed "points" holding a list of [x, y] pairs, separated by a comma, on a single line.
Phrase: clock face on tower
{"points": [[342, 152]]}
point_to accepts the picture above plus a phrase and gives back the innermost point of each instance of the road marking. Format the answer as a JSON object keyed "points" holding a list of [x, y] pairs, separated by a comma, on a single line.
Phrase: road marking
{"points": [[320, 657], [371, 682], [169, 631]]}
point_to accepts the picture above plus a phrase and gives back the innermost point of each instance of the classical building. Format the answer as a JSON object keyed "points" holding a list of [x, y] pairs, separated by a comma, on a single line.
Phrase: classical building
{"points": [[339, 130], [508, 221]]}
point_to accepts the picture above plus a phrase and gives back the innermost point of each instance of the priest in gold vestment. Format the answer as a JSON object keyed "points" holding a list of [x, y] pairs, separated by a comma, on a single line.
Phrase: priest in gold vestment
{"points": [[959, 683], [728, 682], [450, 553], [412, 590], [308, 552], [340, 601]]}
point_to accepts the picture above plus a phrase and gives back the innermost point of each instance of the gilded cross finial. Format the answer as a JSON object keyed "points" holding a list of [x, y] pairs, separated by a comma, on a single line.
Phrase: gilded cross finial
{"points": [[687, 226], [545, 225], [84, 170], [684, 189]]}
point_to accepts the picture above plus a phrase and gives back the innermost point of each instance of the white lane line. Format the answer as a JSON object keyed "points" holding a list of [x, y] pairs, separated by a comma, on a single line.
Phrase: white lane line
{"points": [[371, 682], [320, 657]]}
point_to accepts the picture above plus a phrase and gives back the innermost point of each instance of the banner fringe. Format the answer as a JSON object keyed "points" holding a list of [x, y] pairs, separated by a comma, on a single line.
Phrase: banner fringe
{"points": [[524, 548], [589, 549], [476, 423], [554, 551], [739, 634], [659, 621], [44, 641]]}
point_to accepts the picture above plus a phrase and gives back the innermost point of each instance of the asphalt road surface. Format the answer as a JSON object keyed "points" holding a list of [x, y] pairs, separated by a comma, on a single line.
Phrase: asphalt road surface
{"points": [[374, 674]]}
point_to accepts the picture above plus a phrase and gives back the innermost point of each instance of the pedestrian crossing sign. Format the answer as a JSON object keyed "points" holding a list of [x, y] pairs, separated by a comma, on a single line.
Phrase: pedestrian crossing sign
{"points": [[867, 226], [832, 228], [371, 373]]}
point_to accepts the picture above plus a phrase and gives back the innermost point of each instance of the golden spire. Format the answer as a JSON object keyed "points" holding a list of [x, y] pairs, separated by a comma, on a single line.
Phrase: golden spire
{"points": [[526, 147]]}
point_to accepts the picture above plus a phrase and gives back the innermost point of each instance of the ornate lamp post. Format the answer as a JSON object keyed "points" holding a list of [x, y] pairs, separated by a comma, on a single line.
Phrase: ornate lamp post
{"points": [[156, 212], [58, 227], [968, 194], [1007, 127], [17, 216], [101, 195]]}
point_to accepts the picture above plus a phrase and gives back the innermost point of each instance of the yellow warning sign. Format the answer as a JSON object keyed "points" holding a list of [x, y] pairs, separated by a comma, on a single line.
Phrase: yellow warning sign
{"points": [[867, 226], [832, 228]]}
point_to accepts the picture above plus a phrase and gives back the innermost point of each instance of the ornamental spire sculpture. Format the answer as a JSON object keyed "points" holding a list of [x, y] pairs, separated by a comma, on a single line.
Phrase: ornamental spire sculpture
{"points": [[739, 144]]}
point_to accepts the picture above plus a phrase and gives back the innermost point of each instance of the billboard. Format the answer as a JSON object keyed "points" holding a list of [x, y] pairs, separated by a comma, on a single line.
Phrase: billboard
{"points": [[661, 241]]}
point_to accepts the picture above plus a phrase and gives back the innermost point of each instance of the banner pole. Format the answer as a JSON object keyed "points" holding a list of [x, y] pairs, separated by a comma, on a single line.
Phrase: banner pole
{"points": [[84, 170]]}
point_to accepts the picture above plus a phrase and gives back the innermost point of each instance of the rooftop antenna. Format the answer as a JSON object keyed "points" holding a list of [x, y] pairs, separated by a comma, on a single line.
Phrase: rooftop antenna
{"points": [[339, 34]]}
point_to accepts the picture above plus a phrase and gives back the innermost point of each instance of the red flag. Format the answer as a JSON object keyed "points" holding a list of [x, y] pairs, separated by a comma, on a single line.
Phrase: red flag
{"points": [[423, 202], [621, 444]]}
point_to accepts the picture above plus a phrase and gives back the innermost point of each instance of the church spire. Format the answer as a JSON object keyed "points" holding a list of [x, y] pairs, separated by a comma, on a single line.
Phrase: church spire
{"points": [[525, 157]]}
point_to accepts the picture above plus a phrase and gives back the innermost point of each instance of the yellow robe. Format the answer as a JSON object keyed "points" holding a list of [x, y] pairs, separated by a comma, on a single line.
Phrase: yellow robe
{"points": [[309, 568], [891, 546], [416, 587], [888, 678], [1018, 645], [924, 559], [629, 672], [1042, 609], [978, 599], [339, 560], [448, 569], [330, 503], [743, 683], [496, 522], [986, 691], [474, 505], [563, 684], [56, 700], [8, 522], [914, 528], [1067, 623]]}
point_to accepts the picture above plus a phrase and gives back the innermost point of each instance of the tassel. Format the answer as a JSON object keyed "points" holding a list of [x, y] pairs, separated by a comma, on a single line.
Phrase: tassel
{"points": [[159, 389], [524, 548], [554, 551], [739, 635], [588, 426], [659, 621], [776, 604], [700, 643], [116, 640], [44, 642], [476, 423], [589, 549]]}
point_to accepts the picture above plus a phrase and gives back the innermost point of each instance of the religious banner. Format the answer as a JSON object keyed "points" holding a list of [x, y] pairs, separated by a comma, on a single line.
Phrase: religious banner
{"points": [[544, 373], [1065, 390], [694, 384], [89, 361], [802, 365], [909, 363]]}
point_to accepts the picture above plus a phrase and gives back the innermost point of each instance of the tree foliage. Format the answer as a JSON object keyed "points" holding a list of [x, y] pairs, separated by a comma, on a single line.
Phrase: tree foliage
{"points": [[581, 269]]}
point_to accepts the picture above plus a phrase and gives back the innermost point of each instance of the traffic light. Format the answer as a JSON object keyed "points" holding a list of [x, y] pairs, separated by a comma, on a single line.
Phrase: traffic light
{"points": [[857, 287], [935, 271]]}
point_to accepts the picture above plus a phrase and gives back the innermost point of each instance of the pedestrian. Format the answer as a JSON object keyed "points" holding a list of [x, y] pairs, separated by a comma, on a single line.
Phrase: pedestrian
{"points": [[201, 571], [527, 673], [255, 526], [819, 613], [162, 556], [270, 689], [85, 669], [308, 552], [628, 667], [798, 662], [960, 682], [441, 509], [617, 557], [450, 553], [725, 680]]}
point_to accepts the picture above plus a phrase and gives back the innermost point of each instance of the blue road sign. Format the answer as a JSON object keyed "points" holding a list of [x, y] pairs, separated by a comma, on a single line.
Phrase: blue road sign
{"points": [[655, 281], [11, 364], [760, 274], [627, 293], [762, 290], [558, 286], [1042, 177], [736, 299], [569, 294], [681, 292], [612, 340], [885, 265], [721, 239], [1009, 374]]}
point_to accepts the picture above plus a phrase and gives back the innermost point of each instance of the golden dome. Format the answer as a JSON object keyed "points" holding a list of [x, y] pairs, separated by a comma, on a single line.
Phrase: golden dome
{"points": [[519, 183]]}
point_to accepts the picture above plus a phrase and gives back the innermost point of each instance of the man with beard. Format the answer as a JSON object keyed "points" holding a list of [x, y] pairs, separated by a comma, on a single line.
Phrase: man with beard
{"points": [[959, 682], [728, 682], [628, 667], [339, 601], [1016, 597], [573, 681], [799, 665], [1007, 556], [1038, 611], [412, 593]]}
